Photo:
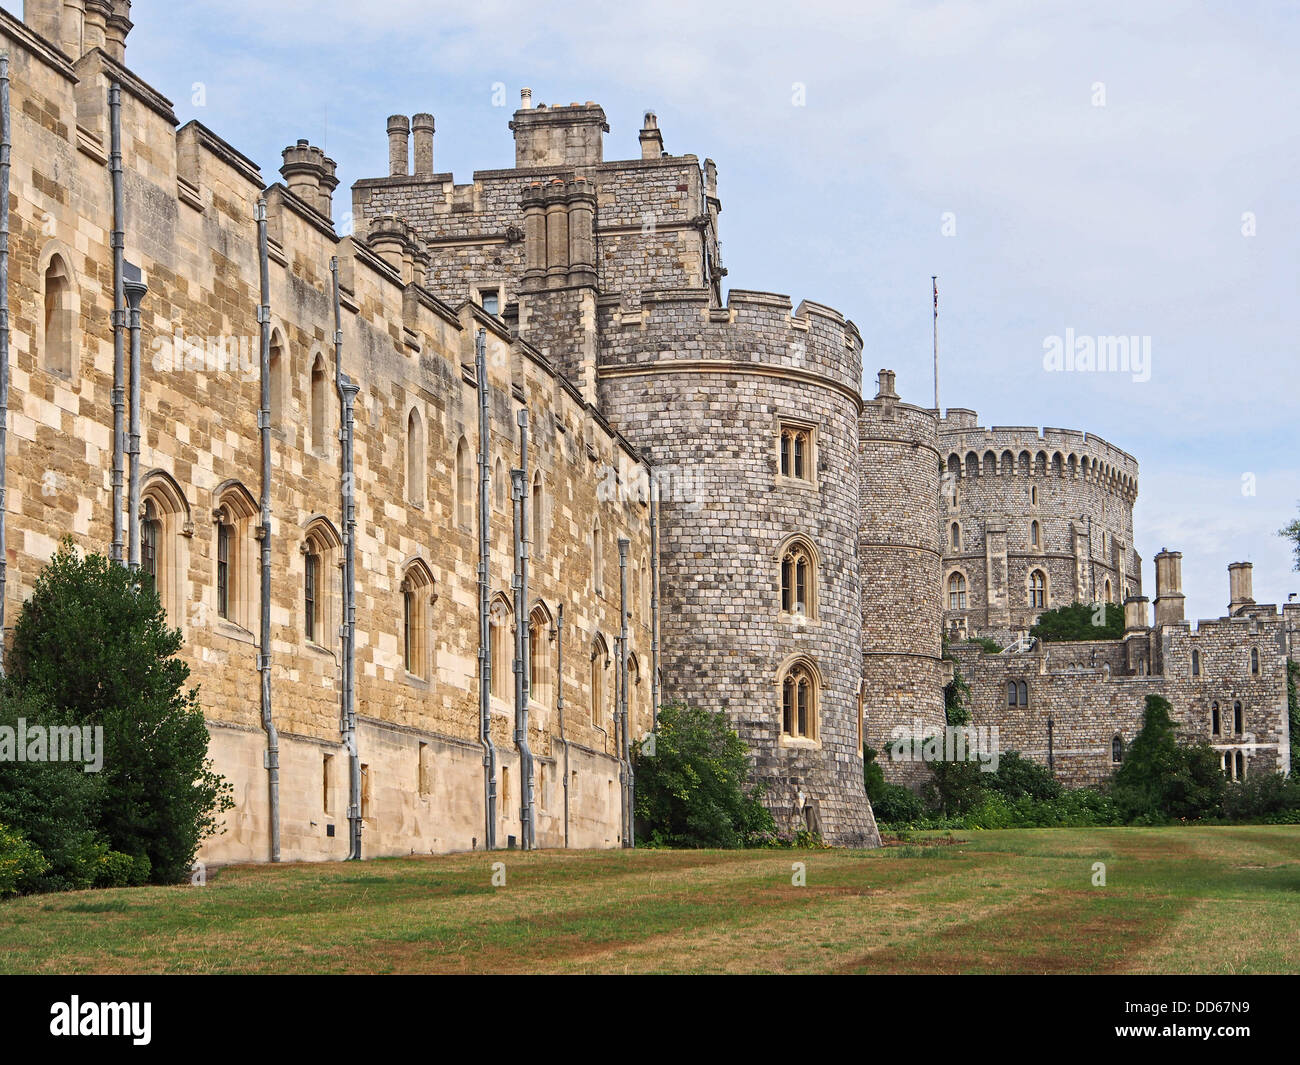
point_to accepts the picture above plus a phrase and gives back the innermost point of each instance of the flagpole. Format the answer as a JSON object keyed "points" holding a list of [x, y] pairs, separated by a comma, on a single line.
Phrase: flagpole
{"points": [[934, 283]]}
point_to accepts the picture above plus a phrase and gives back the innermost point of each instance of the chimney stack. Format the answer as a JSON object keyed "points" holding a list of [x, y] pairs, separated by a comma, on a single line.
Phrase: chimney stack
{"points": [[118, 26], [399, 145], [1240, 590], [422, 127], [885, 385], [1169, 588], [652, 140], [1136, 613], [525, 99], [302, 171]]}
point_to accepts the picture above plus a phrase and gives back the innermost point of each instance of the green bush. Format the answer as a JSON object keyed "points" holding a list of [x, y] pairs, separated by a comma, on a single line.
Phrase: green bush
{"points": [[693, 792], [989, 647], [954, 788], [93, 645], [1261, 795], [20, 862], [1017, 777], [1161, 779], [55, 805], [897, 805], [1076, 622]]}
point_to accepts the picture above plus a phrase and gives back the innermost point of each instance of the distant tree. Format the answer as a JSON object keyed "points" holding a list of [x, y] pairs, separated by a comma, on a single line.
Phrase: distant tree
{"points": [[1291, 531], [1079, 621], [694, 790], [1162, 779], [93, 645]]}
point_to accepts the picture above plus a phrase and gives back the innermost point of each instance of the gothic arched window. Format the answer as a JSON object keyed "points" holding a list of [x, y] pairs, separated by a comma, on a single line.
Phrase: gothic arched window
{"points": [[799, 701], [957, 592]]}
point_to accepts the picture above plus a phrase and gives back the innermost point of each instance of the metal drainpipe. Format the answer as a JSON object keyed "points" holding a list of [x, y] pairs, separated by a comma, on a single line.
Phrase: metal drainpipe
{"points": [[348, 390], [134, 289], [484, 596], [264, 534], [527, 811], [5, 137], [559, 708], [118, 241], [624, 726], [654, 604]]}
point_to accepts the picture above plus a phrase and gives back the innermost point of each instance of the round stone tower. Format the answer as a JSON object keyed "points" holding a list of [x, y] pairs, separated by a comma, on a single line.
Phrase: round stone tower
{"points": [[898, 563], [749, 415], [1031, 520]]}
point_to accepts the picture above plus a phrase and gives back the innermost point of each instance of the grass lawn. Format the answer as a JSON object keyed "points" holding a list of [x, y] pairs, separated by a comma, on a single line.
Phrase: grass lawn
{"points": [[1183, 900]]}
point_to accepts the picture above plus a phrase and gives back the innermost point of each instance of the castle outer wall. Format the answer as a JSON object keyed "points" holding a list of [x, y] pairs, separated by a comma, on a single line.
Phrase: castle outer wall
{"points": [[190, 201]]}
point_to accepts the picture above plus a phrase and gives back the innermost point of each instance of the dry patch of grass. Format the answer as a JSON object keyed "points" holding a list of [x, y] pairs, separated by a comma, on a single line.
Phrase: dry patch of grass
{"points": [[1175, 900]]}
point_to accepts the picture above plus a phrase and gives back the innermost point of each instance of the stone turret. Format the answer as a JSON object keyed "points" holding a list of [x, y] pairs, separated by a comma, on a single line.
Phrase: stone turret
{"points": [[78, 26], [310, 175]]}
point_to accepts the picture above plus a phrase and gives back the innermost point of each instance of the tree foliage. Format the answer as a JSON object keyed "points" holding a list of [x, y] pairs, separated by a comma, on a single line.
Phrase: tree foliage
{"points": [[693, 791], [1161, 779], [1080, 621], [92, 645]]}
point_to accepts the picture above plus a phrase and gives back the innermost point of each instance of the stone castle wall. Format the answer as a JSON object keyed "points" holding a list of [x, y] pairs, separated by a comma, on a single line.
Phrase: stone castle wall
{"points": [[190, 224], [899, 564], [1081, 696]]}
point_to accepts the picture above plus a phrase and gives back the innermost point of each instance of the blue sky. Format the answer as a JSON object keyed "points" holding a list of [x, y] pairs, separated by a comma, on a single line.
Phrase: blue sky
{"points": [[1099, 167]]}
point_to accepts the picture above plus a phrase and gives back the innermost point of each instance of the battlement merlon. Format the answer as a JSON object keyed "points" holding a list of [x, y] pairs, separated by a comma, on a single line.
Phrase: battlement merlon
{"points": [[759, 331], [1081, 454]]}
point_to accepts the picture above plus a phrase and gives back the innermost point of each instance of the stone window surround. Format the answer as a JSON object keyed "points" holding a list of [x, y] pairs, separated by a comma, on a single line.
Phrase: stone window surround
{"points": [[796, 425]]}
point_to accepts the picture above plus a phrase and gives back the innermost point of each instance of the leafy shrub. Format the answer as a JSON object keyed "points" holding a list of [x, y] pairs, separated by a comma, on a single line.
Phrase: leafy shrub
{"points": [[954, 788], [20, 862], [1261, 795], [897, 805], [1075, 622], [92, 644], [1162, 780], [55, 805], [989, 647], [1018, 777], [693, 791]]}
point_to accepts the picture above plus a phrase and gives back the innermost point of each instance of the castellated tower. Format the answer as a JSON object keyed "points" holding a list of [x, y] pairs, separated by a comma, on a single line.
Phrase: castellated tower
{"points": [[898, 563], [749, 415], [610, 271], [1031, 519]]}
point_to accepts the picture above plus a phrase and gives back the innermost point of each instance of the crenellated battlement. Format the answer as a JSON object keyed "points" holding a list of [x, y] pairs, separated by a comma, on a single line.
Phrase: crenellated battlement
{"points": [[759, 330], [970, 450]]}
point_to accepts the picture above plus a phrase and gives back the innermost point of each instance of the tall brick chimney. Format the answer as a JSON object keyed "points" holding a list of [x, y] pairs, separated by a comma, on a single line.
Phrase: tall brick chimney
{"points": [[422, 130], [1169, 588], [399, 145], [652, 140], [1240, 590]]}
